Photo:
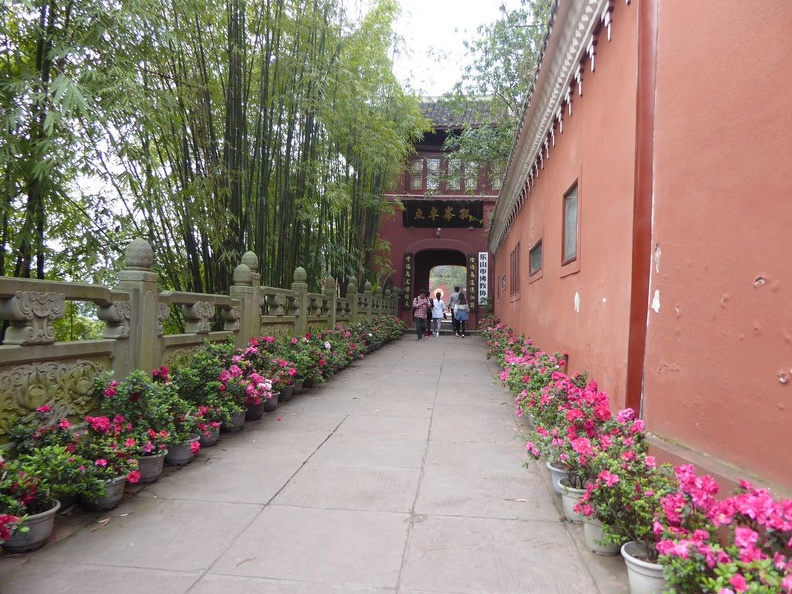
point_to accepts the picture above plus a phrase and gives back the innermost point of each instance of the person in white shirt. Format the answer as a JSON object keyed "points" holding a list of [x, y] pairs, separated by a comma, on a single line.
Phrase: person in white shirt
{"points": [[438, 312]]}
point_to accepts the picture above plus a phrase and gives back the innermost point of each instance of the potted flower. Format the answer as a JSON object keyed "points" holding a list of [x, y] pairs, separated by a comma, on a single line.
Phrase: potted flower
{"points": [[625, 498], [31, 488], [111, 453], [737, 544]]}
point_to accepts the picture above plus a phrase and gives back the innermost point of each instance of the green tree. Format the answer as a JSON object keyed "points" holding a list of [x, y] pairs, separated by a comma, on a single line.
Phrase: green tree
{"points": [[495, 83]]}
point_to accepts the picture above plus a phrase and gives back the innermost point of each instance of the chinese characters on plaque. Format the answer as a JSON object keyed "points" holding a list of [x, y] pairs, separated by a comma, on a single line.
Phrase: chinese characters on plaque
{"points": [[443, 213], [483, 276], [407, 282], [472, 280]]}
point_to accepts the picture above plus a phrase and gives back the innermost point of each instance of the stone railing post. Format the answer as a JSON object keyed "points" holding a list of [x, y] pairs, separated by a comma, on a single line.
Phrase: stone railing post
{"points": [[141, 284], [251, 259], [300, 286], [353, 301], [380, 302], [332, 301], [242, 289], [369, 300], [390, 308]]}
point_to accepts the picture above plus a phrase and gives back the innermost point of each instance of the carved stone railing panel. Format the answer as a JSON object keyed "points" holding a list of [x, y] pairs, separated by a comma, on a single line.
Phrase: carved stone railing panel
{"points": [[67, 388], [198, 317], [231, 317], [116, 317], [31, 314]]}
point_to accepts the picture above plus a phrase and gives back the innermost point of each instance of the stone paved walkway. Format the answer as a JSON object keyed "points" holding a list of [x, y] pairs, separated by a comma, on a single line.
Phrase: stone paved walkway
{"points": [[402, 474]]}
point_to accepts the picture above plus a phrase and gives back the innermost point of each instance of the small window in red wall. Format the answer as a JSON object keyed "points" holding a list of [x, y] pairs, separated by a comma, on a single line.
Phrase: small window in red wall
{"points": [[570, 239]]}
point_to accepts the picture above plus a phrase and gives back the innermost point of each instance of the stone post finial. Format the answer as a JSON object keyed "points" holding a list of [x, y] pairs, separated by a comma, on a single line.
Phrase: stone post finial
{"points": [[251, 260], [300, 276], [243, 275], [138, 255]]}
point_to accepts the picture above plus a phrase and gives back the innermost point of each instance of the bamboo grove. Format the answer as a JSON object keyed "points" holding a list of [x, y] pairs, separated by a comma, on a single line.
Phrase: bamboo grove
{"points": [[207, 127]]}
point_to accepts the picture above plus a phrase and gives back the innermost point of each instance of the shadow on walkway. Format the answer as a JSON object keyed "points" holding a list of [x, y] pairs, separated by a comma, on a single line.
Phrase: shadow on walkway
{"points": [[402, 474]]}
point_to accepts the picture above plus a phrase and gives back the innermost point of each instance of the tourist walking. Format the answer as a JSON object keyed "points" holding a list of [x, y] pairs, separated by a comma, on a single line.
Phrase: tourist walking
{"points": [[461, 314], [438, 312], [452, 301], [420, 311]]}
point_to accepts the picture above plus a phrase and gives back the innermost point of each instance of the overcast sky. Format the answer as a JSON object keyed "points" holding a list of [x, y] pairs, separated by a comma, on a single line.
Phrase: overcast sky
{"points": [[442, 26]]}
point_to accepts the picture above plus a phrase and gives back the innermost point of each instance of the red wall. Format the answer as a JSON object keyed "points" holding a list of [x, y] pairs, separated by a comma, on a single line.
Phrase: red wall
{"points": [[597, 148], [723, 149]]}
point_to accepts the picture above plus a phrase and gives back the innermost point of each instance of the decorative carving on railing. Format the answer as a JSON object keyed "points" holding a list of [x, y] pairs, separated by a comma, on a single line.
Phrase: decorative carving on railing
{"points": [[231, 316], [292, 305], [67, 388], [198, 317], [116, 317], [272, 304], [31, 314], [163, 313], [343, 308]]}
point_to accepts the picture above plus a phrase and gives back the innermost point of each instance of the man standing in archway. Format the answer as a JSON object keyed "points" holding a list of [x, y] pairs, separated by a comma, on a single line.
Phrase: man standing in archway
{"points": [[420, 310]]}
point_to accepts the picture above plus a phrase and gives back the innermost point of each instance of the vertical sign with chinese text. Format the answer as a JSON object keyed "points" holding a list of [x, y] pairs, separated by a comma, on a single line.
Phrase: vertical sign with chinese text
{"points": [[472, 279], [407, 280], [483, 277]]}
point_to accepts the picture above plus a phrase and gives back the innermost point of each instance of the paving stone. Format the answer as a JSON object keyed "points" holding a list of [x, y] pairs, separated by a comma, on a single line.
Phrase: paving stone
{"points": [[474, 555], [223, 584], [225, 480], [381, 426], [454, 492], [293, 446], [317, 545], [68, 578], [352, 450], [470, 456], [156, 534], [353, 488]]}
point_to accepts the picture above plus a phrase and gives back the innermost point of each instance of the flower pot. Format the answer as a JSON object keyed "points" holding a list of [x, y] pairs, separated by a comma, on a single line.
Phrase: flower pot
{"points": [[569, 497], [298, 386], [308, 383], [286, 394], [272, 403], [151, 467], [255, 411], [592, 533], [180, 454], [237, 423], [557, 474], [643, 577], [39, 530], [207, 441], [114, 492]]}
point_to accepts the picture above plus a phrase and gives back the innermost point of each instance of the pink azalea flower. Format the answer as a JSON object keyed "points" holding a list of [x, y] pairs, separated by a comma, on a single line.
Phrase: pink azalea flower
{"points": [[43, 409], [101, 462], [739, 582], [133, 477], [195, 447]]}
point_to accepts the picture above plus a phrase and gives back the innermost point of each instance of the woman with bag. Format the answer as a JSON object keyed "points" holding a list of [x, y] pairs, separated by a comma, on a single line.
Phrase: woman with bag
{"points": [[461, 314]]}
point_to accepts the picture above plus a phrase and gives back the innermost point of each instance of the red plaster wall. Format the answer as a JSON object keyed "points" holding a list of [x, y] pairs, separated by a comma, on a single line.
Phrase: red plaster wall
{"points": [[723, 156], [597, 148]]}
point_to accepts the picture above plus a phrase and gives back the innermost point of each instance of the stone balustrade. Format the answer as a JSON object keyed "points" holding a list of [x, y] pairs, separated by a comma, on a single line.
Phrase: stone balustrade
{"points": [[35, 369]]}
